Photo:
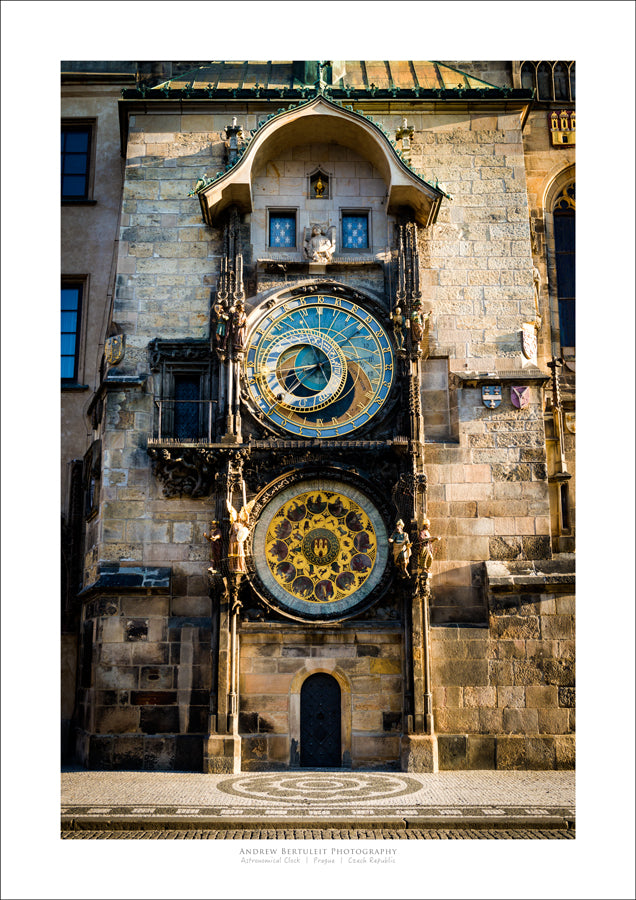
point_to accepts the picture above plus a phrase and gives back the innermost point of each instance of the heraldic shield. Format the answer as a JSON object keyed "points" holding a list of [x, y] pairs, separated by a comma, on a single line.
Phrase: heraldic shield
{"points": [[520, 397], [114, 349], [529, 340], [491, 395]]}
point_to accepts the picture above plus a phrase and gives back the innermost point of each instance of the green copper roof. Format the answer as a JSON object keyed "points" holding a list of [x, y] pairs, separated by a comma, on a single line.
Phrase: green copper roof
{"points": [[356, 75]]}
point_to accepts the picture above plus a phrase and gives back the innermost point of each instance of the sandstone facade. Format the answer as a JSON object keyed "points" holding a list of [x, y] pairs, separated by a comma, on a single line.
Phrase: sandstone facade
{"points": [[475, 658]]}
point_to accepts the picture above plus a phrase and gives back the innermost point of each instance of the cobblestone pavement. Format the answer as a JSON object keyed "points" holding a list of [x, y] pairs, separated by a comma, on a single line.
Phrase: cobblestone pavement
{"points": [[327, 797], [304, 834]]}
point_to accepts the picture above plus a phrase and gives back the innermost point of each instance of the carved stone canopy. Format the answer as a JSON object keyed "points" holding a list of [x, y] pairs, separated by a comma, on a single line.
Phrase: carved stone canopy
{"points": [[321, 120]]}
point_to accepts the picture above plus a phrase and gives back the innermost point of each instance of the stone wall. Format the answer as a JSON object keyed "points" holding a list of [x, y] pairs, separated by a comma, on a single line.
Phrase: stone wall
{"points": [[274, 663], [503, 694], [146, 704], [487, 499]]}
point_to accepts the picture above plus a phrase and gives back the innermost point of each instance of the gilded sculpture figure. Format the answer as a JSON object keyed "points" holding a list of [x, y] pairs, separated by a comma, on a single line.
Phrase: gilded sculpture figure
{"points": [[401, 545], [425, 546], [239, 533]]}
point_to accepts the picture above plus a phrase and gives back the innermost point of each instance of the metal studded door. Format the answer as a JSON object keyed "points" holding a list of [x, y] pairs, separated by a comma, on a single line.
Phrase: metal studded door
{"points": [[320, 722]]}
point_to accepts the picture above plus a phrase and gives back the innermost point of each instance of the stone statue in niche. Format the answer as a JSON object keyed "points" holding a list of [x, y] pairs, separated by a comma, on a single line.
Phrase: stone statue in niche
{"points": [[320, 243], [401, 545]]}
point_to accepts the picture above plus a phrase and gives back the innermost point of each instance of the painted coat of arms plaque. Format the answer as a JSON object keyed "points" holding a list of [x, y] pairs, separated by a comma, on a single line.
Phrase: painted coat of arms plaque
{"points": [[491, 395], [520, 396]]}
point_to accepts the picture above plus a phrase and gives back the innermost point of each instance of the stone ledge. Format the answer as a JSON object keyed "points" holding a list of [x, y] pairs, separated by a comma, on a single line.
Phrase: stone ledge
{"points": [[112, 576], [544, 574]]}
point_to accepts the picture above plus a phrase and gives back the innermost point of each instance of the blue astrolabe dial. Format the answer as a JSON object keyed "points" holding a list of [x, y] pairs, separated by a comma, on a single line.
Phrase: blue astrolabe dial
{"points": [[319, 366]]}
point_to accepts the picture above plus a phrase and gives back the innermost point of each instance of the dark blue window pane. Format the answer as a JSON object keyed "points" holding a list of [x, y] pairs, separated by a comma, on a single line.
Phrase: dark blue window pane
{"points": [[76, 142], [567, 323], [564, 241], [70, 298], [68, 344], [68, 367], [69, 322], [73, 186], [355, 232], [74, 163], [282, 231], [75, 160], [70, 317], [564, 231], [565, 275], [186, 414]]}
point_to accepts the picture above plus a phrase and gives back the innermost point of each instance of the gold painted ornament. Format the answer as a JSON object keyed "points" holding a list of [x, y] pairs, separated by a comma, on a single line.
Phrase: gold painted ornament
{"points": [[321, 546]]}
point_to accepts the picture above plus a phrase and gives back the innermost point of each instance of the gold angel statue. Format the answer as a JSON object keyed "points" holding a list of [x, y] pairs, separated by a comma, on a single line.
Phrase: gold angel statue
{"points": [[239, 533]]}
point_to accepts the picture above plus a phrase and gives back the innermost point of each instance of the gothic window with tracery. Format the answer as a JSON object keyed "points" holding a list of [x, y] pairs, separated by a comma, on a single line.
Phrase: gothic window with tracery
{"points": [[552, 80], [564, 248]]}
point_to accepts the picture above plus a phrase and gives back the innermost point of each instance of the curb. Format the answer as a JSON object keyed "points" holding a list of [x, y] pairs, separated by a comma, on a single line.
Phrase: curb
{"points": [[121, 823]]}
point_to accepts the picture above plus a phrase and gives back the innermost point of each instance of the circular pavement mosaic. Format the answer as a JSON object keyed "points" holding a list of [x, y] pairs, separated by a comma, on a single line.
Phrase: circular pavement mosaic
{"points": [[322, 786]]}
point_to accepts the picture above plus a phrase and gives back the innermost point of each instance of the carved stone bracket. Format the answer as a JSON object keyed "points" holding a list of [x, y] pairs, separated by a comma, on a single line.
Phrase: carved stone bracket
{"points": [[176, 351], [185, 470]]}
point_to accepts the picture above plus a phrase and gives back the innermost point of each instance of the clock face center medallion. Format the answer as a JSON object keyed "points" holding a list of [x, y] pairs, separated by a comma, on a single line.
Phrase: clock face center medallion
{"points": [[320, 546]]}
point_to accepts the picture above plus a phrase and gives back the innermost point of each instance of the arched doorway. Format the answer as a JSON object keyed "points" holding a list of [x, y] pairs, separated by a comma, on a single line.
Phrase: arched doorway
{"points": [[320, 739]]}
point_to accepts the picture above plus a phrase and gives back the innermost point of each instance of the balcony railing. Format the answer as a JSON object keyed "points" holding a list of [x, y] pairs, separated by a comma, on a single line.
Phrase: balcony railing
{"points": [[185, 421]]}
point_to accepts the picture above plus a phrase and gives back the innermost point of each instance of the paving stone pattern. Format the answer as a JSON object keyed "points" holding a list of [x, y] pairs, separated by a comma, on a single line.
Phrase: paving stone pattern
{"points": [[260, 834], [317, 795]]}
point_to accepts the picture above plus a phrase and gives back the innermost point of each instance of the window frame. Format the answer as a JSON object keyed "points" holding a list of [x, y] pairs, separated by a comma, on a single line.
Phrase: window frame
{"points": [[79, 283], [89, 125], [351, 212], [171, 359], [282, 212]]}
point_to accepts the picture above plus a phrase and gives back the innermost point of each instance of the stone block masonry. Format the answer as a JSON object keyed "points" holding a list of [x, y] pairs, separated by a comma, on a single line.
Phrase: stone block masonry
{"points": [[503, 694], [368, 666], [146, 703]]}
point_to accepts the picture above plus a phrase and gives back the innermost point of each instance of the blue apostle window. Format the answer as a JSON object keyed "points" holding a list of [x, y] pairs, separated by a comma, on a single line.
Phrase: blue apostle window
{"points": [[355, 231], [71, 308], [76, 147], [282, 229]]}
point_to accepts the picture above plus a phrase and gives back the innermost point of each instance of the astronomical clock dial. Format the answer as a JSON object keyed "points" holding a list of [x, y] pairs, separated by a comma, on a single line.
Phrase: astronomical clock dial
{"points": [[320, 548], [319, 366]]}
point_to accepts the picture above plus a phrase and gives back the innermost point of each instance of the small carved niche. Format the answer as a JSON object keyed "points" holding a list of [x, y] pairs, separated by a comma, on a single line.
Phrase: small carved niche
{"points": [[319, 186]]}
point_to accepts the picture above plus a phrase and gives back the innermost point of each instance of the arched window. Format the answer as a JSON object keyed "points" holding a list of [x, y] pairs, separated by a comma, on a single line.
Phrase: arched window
{"points": [[527, 76], [561, 82], [544, 81], [564, 251], [552, 81]]}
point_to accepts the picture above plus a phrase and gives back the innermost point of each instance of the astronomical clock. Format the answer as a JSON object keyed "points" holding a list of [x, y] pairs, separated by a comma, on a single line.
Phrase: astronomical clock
{"points": [[319, 367]]}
